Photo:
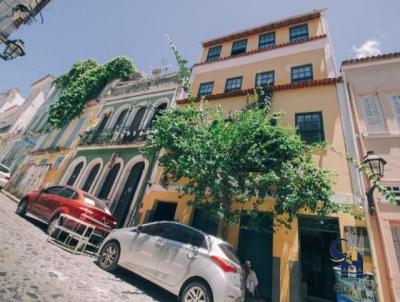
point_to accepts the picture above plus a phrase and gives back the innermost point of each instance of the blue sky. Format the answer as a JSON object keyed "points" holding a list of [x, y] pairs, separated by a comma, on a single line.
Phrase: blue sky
{"points": [[102, 29]]}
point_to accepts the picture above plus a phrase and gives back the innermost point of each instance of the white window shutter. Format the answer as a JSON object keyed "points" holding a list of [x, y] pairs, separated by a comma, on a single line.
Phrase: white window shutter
{"points": [[396, 107], [372, 114]]}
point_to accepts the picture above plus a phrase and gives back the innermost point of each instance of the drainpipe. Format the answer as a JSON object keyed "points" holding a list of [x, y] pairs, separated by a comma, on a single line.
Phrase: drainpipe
{"points": [[370, 219]]}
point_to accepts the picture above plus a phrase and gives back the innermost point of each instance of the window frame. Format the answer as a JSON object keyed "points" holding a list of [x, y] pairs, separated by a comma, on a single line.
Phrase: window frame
{"points": [[265, 72], [235, 52], [298, 37], [234, 78], [382, 128], [204, 84], [396, 114], [273, 33], [214, 57], [302, 79], [322, 130]]}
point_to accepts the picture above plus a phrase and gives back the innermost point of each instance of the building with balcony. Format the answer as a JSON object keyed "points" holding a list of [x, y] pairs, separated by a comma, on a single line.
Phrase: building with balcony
{"points": [[373, 101], [107, 161], [14, 147], [295, 56]]}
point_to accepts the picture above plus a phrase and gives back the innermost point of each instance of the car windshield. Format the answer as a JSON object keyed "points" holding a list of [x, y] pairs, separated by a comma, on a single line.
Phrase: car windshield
{"points": [[4, 169], [93, 201], [229, 252]]}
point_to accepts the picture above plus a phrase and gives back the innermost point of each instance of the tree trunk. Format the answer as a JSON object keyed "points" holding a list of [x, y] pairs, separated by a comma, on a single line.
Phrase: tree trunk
{"points": [[223, 226]]}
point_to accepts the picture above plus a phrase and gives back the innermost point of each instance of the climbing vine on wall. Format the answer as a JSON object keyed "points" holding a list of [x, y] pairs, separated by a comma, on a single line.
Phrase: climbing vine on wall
{"points": [[83, 82]]}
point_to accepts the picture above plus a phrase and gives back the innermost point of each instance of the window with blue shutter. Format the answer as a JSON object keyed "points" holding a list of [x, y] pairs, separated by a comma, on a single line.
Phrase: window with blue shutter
{"points": [[44, 142], [58, 137], [75, 132]]}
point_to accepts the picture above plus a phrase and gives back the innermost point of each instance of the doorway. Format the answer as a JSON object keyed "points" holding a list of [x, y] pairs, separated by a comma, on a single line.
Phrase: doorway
{"points": [[318, 279], [126, 198], [256, 245], [203, 222], [164, 211]]}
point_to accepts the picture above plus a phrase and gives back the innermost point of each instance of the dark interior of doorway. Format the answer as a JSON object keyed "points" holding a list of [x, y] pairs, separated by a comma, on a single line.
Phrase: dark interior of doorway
{"points": [[164, 211], [256, 245], [203, 222], [318, 279]]}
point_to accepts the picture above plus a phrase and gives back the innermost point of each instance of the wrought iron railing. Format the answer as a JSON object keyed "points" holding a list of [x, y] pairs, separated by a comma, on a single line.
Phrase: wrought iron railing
{"points": [[120, 136]]}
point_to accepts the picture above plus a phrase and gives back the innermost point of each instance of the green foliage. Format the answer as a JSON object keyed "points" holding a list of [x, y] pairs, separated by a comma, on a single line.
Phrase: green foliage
{"points": [[241, 160], [83, 82]]}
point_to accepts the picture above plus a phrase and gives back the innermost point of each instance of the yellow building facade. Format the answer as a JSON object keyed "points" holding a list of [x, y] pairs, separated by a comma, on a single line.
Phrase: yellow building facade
{"points": [[295, 55]]}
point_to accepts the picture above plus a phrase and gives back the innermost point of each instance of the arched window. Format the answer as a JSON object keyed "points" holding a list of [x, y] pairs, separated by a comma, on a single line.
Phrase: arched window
{"points": [[125, 200], [91, 177], [75, 173], [134, 127], [120, 120], [109, 181], [102, 124], [157, 112]]}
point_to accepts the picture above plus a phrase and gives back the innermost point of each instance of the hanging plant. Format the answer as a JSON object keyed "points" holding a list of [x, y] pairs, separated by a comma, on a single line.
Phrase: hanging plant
{"points": [[83, 82]]}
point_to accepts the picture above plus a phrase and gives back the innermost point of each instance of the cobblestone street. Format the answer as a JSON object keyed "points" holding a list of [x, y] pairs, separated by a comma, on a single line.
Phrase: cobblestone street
{"points": [[32, 269]]}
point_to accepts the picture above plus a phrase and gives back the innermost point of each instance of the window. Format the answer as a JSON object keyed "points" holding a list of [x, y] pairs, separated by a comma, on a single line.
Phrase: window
{"points": [[213, 53], [68, 193], [53, 190], [186, 235], [205, 88], [58, 162], [156, 229], [239, 47], [266, 40], [372, 114], [396, 107], [396, 191], [233, 84], [310, 127], [75, 132], [265, 78], [396, 240], [301, 73], [60, 133], [299, 32], [4, 169]]}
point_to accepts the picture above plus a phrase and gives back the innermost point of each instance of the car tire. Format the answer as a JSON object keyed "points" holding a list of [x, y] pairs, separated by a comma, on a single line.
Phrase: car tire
{"points": [[109, 256], [21, 207], [196, 291], [51, 227]]}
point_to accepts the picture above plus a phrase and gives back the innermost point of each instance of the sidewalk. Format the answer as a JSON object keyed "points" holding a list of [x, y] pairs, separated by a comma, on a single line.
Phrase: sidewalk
{"points": [[9, 195]]}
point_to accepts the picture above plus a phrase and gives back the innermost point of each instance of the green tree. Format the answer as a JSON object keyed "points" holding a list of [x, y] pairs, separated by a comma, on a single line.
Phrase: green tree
{"points": [[232, 162], [83, 82]]}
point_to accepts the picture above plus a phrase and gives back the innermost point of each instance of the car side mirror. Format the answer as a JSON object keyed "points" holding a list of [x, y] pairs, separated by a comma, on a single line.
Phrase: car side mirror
{"points": [[139, 228]]}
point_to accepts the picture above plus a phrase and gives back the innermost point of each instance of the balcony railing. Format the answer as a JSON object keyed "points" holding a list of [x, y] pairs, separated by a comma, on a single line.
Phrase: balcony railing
{"points": [[112, 137]]}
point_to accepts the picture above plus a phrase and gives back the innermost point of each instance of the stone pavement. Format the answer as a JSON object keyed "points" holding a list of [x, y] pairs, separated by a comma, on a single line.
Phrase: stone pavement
{"points": [[32, 269]]}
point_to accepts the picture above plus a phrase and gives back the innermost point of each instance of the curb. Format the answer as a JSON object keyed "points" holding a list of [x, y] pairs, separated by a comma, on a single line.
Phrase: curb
{"points": [[9, 195]]}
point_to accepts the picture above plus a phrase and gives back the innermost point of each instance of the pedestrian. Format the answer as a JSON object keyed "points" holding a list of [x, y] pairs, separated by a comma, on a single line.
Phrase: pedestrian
{"points": [[251, 281]]}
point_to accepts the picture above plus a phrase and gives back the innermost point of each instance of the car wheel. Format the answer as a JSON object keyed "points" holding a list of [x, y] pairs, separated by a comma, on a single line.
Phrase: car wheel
{"points": [[21, 207], [109, 255], [52, 226], [196, 291]]}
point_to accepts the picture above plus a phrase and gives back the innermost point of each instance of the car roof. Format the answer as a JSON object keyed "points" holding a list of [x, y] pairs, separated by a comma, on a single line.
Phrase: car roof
{"points": [[189, 227]]}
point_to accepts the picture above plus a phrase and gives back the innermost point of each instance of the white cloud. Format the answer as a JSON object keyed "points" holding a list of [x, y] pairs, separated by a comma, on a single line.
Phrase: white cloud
{"points": [[369, 48]]}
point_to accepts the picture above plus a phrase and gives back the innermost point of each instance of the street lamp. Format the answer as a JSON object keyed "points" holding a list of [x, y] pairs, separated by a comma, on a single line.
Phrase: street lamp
{"points": [[375, 166], [13, 49]]}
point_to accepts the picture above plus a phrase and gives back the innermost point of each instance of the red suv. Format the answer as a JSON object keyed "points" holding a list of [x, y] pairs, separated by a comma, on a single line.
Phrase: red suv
{"points": [[49, 203]]}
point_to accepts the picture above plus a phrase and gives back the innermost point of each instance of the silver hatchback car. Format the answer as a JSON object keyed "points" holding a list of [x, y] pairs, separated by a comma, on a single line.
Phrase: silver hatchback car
{"points": [[191, 264]]}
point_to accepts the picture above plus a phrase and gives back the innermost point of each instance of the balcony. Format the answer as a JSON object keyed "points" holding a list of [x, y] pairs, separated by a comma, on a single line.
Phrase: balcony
{"points": [[112, 137]]}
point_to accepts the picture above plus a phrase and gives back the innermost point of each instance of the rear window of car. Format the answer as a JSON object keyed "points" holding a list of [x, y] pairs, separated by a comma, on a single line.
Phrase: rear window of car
{"points": [[4, 169], [229, 252], [91, 200]]}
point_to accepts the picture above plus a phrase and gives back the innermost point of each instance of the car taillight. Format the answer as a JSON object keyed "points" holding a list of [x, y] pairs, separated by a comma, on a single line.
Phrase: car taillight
{"points": [[224, 264], [7, 178]]}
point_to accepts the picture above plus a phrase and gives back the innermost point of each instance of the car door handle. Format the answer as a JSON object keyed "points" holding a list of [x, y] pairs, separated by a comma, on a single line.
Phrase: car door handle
{"points": [[190, 256]]}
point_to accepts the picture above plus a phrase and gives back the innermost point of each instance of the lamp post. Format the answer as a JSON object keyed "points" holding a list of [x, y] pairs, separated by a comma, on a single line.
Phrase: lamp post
{"points": [[13, 49], [375, 166]]}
